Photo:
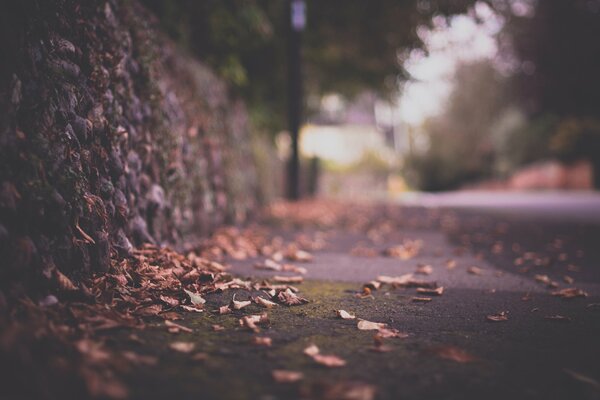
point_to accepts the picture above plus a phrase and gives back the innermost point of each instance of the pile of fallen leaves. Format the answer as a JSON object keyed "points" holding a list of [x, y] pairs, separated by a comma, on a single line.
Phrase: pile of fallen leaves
{"points": [[57, 343]]}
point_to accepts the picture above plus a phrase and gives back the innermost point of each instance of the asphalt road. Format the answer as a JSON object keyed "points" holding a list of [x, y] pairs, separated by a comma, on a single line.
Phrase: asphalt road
{"points": [[548, 348]]}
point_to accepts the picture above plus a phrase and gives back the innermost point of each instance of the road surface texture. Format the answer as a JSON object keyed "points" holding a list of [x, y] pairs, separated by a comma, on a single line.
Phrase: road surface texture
{"points": [[450, 296], [495, 260]]}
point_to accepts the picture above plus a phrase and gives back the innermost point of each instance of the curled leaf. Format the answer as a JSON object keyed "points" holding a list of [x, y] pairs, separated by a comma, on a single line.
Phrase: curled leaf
{"points": [[498, 317], [264, 302], [345, 314], [290, 298], [195, 298], [365, 325], [238, 305]]}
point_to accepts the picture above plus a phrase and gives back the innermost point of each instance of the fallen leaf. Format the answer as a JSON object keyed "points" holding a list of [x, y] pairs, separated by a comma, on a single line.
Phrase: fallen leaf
{"points": [[262, 341], [421, 299], [191, 308], [238, 305], [171, 301], [344, 314], [365, 325], [224, 310], [568, 280], [64, 283], [545, 279], [498, 317], [330, 360], [264, 302], [182, 347], [251, 321], [475, 271], [218, 328], [268, 264], [288, 279], [391, 333], [140, 359], [176, 328], [395, 280], [454, 354], [438, 291], [290, 298], [283, 376], [293, 268], [311, 350], [373, 285], [195, 298], [570, 293], [294, 254]]}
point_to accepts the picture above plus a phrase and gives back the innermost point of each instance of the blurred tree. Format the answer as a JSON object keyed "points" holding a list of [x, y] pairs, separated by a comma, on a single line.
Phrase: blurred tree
{"points": [[349, 45], [460, 146]]}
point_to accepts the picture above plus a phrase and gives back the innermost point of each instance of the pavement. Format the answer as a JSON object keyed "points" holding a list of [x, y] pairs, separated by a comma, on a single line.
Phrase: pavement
{"points": [[548, 348]]}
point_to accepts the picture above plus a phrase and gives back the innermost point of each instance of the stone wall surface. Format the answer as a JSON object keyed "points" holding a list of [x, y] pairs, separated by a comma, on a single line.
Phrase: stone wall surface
{"points": [[110, 137]]}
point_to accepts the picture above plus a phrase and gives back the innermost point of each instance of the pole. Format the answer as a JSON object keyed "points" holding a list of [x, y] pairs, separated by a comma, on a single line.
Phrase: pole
{"points": [[296, 22]]}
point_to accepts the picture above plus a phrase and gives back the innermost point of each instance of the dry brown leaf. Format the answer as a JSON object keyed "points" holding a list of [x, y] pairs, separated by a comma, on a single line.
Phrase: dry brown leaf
{"points": [[283, 376], [475, 270], [293, 268], [373, 285], [344, 314], [431, 291], [191, 308], [568, 280], [218, 328], [63, 282], [195, 298], [264, 302], [269, 264], [288, 279], [311, 350], [224, 310], [385, 333], [262, 341], [570, 293], [238, 305], [498, 317], [545, 279], [421, 299], [294, 254], [365, 325], [182, 347], [290, 298], [171, 301], [454, 354], [251, 321], [329, 360], [395, 280], [176, 328]]}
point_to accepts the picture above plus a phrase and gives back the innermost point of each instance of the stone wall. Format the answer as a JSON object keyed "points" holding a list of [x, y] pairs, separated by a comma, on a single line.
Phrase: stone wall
{"points": [[109, 137]]}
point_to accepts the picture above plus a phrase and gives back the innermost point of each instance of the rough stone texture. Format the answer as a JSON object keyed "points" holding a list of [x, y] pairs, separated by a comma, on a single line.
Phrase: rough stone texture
{"points": [[109, 137]]}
